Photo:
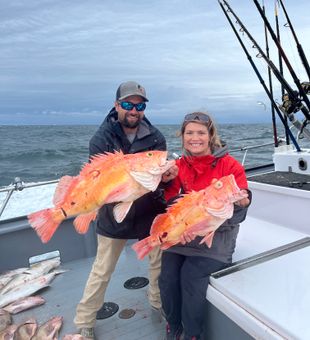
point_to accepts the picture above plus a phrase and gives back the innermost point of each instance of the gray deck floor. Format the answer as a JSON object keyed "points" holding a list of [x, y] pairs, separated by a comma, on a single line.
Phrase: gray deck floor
{"points": [[66, 291], [284, 179]]}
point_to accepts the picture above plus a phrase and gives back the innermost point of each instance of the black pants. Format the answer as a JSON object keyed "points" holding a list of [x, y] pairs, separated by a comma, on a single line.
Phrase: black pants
{"points": [[183, 284]]}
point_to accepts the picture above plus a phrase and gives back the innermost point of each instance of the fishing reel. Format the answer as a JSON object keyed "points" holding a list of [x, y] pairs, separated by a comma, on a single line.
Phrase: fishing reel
{"points": [[306, 86], [291, 105]]}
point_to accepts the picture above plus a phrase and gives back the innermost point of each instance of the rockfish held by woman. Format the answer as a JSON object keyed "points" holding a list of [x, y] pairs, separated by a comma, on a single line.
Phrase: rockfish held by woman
{"points": [[198, 213]]}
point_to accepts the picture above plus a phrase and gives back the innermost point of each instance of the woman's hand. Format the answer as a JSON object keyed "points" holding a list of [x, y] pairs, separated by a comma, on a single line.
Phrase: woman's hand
{"points": [[244, 202], [170, 174], [187, 237]]}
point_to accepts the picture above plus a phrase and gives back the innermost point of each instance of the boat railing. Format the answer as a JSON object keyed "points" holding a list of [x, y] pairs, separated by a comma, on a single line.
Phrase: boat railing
{"points": [[19, 185], [245, 149]]}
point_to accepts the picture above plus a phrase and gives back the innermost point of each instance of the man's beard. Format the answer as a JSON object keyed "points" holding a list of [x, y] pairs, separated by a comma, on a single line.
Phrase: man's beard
{"points": [[131, 125]]}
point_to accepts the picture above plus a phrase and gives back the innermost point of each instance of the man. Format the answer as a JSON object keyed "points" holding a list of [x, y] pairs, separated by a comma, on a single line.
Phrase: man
{"points": [[125, 128]]}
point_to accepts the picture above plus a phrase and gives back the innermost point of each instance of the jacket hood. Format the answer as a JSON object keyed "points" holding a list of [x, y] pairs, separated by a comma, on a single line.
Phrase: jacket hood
{"points": [[220, 151]]}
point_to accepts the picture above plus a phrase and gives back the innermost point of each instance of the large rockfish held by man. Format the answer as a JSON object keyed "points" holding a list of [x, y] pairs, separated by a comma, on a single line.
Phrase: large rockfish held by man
{"points": [[108, 178], [197, 213]]}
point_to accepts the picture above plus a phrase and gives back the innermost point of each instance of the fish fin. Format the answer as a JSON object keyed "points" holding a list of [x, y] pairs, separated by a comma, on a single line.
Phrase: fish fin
{"points": [[147, 180], [62, 188], [45, 222], [167, 245], [225, 212], [121, 210], [142, 247], [81, 222], [208, 239], [118, 193], [200, 226], [101, 161]]}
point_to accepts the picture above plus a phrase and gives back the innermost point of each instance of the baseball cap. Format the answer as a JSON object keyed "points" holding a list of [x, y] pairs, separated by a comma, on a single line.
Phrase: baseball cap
{"points": [[130, 88]]}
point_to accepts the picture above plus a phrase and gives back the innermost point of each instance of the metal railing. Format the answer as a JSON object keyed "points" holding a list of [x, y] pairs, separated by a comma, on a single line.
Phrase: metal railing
{"points": [[247, 148], [19, 185]]}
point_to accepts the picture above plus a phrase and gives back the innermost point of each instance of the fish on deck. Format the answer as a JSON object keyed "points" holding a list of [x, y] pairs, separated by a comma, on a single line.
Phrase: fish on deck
{"points": [[197, 213], [26, 289], [24, 303], [8, 332], [26, 330], [5, 319], [8, 276], [28, 274], [30, 329], [108, 178], [49, 330]]}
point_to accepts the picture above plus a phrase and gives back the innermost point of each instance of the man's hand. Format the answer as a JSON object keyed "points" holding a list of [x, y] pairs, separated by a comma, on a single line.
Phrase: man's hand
{"points": [[170, 174]]}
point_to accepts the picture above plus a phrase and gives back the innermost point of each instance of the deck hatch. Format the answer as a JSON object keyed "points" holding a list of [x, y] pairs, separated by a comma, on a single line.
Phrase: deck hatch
{"points": [[108, 309], [126, 313], [136, 282]]}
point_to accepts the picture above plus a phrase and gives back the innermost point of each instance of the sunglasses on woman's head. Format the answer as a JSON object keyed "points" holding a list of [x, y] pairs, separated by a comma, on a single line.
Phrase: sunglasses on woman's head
{"points": [[202, 117], [128, 106]]}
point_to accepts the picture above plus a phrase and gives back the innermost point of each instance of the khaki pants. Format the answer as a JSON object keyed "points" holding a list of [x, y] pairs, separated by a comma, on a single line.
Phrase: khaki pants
{"points": [[108, 252]]}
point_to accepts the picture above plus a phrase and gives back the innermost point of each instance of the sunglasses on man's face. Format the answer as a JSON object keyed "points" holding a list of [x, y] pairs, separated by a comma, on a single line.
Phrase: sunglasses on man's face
{"points": [[197, 116], [128, 106]]}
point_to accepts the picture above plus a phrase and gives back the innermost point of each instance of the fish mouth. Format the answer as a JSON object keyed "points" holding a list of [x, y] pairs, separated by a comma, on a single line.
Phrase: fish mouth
{"points": [[236, 193], [233, 182], [234, 185], [163, 167]]}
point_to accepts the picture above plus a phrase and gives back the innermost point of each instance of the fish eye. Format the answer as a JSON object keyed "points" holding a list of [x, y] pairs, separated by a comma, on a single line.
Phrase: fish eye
{"points": [[218, 185], [149, 154]]}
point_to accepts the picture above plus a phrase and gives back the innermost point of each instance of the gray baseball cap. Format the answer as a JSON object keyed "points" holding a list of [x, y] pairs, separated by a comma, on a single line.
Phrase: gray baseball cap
{"points": [[130, 88]]}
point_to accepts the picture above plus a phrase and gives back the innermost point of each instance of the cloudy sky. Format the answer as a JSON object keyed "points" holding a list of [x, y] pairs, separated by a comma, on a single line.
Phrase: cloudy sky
{"points": [[61, 61]]}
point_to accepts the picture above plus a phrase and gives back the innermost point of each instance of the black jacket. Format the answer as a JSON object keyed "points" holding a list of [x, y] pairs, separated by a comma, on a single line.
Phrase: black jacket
{"points": [[110, 137]]}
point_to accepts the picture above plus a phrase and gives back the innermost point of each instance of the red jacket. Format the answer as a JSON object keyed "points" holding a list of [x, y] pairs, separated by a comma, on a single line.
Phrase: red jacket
{"points": [[196, 173]]}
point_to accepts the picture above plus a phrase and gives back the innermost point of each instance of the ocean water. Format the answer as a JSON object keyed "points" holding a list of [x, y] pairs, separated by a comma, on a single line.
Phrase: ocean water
{"points": [[40, 153], [43, 153]]}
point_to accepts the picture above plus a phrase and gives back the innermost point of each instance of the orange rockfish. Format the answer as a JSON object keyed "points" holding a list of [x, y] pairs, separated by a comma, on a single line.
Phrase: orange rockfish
{"points": [[198, 213], [108, 178]]}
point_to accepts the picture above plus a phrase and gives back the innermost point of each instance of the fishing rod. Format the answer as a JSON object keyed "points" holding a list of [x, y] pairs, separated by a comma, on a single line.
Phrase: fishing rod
{"points": [[279, 39], [274, 69], [273, 115], [299, 47], [288, 64], [280, 59], [291, 101], [256, 70]]}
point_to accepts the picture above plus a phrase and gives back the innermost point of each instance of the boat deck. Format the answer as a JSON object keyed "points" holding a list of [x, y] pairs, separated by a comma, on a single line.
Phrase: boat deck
{"points": [[277, 217], [284, 179], [66, 291]]}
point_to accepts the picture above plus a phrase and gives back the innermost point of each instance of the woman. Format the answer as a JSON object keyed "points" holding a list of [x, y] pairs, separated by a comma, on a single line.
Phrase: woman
{"points": [[186, 267]]}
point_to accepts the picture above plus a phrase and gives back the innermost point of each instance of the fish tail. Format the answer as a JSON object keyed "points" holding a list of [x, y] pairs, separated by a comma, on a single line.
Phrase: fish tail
{"points": [[45, 222], [142, 247], [208, 239]]}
